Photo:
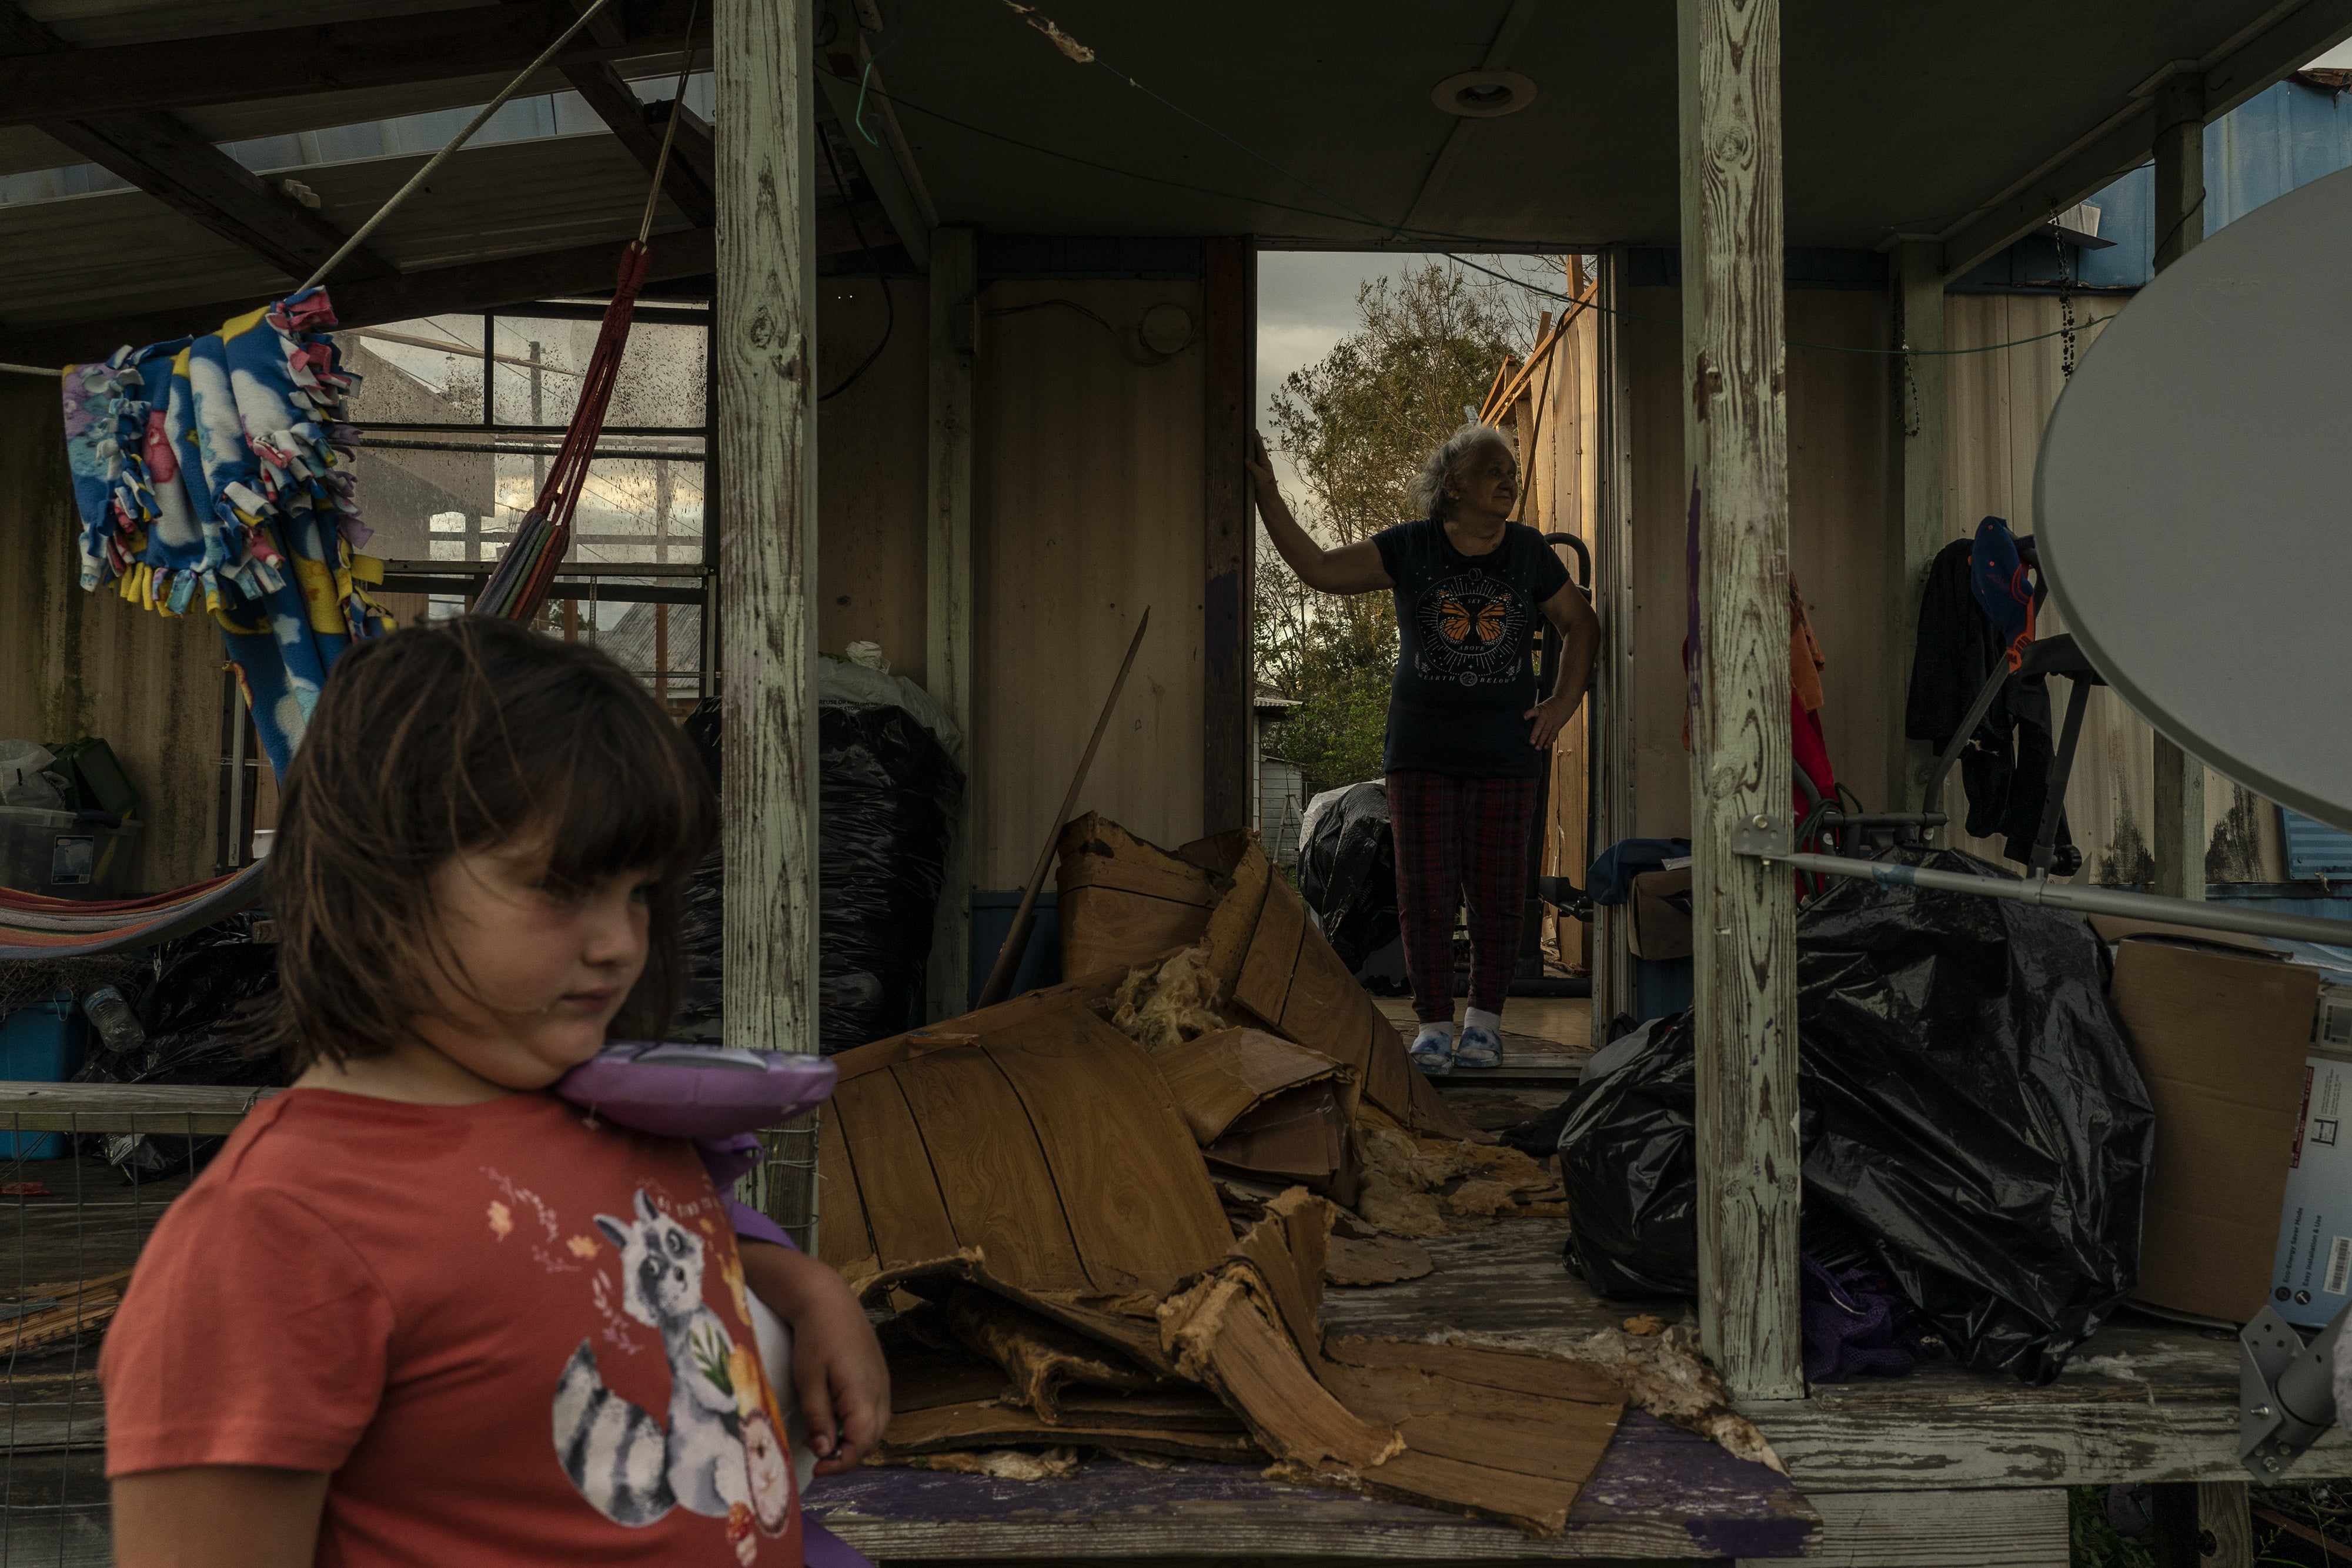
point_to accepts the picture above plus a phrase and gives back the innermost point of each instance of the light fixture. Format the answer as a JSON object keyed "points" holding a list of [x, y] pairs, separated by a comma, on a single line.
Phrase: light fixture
{"points": [[1483, 95]]}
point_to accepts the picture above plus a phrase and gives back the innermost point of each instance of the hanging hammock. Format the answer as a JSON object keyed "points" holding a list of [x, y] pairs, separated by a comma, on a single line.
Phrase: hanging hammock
{"points": [[34, 926]]}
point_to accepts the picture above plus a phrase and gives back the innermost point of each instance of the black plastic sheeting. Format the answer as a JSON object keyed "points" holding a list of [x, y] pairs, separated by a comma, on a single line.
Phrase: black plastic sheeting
{"points": [[1628, 1158], [1971, 1119], [205, 982], [1347, 873], [886, 793]]}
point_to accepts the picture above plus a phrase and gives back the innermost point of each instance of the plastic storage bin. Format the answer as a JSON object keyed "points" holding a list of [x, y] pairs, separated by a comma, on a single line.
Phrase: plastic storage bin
{"points": [[40, 1043], [63, 854]]}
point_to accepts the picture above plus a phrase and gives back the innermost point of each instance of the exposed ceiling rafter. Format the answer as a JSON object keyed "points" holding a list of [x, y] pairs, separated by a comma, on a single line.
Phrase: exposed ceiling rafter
{"points": [[334, 56], [159, 154]]}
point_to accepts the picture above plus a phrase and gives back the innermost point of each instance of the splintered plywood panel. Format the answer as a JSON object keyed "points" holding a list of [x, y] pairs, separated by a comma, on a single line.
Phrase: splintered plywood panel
{"points": [[1326, 1009], [1217, 1077], [1033, 1133], [843, 1238], [1001, 1197], [1273, 953], [904, 1207], [1088, 509], [1122, 901], [1130, 1180]]}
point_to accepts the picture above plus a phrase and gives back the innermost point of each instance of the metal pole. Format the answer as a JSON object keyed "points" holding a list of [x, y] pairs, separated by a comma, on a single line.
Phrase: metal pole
{"points": [[2061, 895]]}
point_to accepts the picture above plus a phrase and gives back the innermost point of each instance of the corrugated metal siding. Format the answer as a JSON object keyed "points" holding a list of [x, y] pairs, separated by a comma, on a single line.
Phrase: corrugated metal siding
{"points": [[2275, 142], [1998, 404], [74, 664], [1088, 509], [2314, 850]]}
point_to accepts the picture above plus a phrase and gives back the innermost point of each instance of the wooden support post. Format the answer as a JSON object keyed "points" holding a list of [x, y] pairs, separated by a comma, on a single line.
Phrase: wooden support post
{"points": [[1735, 433], [947, 625], [1611, 702], [1919, 438], [1229, 340], [2204, 1524], [2179, 808], [766, 349]]}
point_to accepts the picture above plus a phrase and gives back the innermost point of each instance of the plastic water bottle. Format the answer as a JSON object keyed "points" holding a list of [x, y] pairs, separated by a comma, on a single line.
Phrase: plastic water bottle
{"points": [[116, 1024]]}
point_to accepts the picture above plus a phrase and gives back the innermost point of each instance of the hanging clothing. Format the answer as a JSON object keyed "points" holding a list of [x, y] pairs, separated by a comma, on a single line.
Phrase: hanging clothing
{"points": [[214, 473], [2005, 769], [1809, 745]]}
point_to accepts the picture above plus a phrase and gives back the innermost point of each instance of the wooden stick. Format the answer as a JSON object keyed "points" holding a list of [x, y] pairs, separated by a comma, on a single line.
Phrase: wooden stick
{"points": [[1508, 394], [1016, 941]]}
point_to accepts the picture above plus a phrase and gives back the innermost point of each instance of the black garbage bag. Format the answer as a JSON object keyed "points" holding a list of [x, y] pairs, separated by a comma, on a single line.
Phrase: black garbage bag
{"points": [[1628, 1158], [1969, 1101], [886, 793], [1972, 1121], [701, 945], [1347, 871], [204, 985]]}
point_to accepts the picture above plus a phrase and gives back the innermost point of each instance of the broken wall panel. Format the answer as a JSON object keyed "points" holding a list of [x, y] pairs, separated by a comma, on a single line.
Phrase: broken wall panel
{"points": [[1120, 900], [988, 1134], [1001, 1197]]}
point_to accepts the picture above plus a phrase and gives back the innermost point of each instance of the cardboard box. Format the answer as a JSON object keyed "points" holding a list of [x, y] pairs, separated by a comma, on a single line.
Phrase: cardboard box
{"points": [[1662, 914], [2223, 1040]]}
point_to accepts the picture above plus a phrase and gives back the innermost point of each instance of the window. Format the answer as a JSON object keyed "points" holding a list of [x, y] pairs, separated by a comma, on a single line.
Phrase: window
{"points": [[459, 417]]}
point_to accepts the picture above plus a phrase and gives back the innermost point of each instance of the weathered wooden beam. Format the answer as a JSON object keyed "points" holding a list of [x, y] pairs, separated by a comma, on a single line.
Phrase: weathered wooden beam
{"points": [[331, 57], [765, 345], [1736, 435], [441, 291], [1229, 340], [162, 156], [618, 107], [1614, 678], [947, 587], [1921, 411], [157, 152], [199, 1110], [2178, 837], [2204, 1524]]}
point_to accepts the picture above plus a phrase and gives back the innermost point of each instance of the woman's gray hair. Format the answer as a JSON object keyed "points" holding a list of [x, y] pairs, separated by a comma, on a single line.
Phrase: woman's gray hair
{"points": [[1427, 491]]}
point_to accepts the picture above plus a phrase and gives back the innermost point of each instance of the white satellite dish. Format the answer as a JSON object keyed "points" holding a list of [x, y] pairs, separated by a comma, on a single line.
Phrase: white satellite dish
{"points": [[2193, 502]]}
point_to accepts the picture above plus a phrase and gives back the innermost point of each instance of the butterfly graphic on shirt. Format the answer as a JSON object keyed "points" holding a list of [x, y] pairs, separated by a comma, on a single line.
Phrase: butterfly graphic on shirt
{"points": [[1473, 630], [1457, 620]]}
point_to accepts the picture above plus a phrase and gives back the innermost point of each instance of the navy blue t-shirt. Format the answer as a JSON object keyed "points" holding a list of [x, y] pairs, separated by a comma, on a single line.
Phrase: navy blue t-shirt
{"points": [[1465, 661]]}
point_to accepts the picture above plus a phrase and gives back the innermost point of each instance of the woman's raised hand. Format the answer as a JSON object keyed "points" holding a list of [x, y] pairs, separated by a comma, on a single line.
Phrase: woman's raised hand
{"points": [[1253, 458]]}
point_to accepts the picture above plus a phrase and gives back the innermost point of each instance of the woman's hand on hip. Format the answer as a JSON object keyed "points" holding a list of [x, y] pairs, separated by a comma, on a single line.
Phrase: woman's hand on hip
{"points": [[1550, 717]]}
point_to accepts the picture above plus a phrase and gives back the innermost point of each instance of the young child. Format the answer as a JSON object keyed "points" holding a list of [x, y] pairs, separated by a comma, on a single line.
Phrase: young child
{"points": [[418, 1311]]}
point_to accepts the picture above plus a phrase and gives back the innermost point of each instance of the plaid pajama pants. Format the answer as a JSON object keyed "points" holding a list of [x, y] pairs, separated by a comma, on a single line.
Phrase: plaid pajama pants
{"points": [[1460, 842]]}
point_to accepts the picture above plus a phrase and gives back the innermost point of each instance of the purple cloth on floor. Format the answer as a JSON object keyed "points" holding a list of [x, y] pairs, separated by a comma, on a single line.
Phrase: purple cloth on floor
{"points": [[729, 1160], [821, 1547], [1855, 1325]]}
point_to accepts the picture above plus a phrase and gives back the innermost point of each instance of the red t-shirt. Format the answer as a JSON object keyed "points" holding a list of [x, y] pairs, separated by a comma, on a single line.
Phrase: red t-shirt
{"points": [[513, 1335]]}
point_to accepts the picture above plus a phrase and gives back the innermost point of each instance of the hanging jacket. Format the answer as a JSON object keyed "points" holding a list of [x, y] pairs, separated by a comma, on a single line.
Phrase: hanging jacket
{"points": [[2005, 769]]}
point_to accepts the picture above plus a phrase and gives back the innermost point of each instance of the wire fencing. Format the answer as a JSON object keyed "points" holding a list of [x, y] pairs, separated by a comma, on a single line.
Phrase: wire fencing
{"points": [[76, 1225]]}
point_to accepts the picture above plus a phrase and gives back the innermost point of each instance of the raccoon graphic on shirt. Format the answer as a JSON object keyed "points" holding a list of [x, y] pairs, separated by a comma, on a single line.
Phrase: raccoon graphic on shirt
{"points": [[719, 1447]]}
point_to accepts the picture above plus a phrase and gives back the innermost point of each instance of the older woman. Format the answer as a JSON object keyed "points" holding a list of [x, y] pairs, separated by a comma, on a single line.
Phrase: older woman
{"points": [[1468, 735]]}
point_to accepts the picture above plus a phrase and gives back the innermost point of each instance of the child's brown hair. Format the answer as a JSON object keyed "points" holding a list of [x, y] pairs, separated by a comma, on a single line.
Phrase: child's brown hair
{"points": [[458, 737]]}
